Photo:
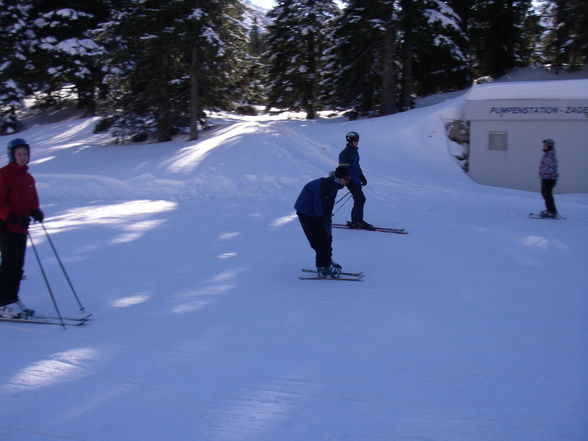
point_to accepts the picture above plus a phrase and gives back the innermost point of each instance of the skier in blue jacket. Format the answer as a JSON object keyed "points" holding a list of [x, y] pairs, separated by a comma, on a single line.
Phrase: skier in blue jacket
{"points": [[349, 157], [314, 208]]}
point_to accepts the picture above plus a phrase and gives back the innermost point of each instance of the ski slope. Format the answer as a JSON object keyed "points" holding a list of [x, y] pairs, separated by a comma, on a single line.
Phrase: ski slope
{"points": [[471, 327]]}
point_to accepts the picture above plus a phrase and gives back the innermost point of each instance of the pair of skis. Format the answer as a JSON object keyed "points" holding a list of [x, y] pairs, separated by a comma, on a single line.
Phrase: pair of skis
{"points": [[49, 320], [349, 226], [349, 277]]}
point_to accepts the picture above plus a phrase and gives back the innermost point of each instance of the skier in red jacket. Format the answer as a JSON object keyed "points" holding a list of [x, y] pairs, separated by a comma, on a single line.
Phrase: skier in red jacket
{"points": [[18, 202]]}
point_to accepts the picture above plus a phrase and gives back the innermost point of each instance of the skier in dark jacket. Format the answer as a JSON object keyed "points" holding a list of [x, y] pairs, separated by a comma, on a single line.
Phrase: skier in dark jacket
{"points": [[548, 175], [349, 157], [314, 208], [18, 202]]}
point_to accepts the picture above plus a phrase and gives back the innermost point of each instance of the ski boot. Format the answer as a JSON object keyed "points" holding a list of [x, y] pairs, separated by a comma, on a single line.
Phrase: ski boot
{"points": [[328, 272], [23, 311], [361, 225]]}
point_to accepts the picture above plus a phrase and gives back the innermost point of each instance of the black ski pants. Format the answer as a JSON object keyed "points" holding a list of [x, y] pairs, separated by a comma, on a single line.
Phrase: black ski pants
{"points": [[12, 248], [547, 193], [358, 202], [320, 240]]}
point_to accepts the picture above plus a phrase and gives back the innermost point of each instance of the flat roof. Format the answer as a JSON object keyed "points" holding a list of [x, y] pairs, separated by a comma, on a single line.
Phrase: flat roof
{"points": [[555, 89]]}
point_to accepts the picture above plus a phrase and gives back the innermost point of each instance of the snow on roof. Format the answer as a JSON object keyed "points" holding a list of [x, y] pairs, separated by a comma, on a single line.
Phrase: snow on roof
{"points": [[564, 89]]}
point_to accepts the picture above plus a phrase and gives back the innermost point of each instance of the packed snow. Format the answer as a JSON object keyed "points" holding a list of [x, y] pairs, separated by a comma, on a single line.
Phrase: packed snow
{"points": [[474, 326], [575, 89]]}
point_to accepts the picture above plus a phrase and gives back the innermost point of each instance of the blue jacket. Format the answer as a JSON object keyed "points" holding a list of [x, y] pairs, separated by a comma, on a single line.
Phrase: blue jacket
{"points": [[349, 157], [317, 199]]}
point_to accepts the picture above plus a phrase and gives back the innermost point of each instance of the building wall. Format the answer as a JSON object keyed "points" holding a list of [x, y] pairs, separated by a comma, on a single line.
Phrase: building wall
{"points": [[526, 123], [518, 165]]}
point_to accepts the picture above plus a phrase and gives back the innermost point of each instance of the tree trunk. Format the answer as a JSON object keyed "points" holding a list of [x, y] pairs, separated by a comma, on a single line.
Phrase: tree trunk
{"points": [[194, 95], [164, 124], [388, 105], [407, 76], [311, 91]]}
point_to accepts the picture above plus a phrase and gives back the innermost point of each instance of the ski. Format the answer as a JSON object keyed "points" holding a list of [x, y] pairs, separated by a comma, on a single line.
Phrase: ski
{"points": [[360, 274], [538, 216], [381, 229], [39, 321], [348, 279], [68, 319]]}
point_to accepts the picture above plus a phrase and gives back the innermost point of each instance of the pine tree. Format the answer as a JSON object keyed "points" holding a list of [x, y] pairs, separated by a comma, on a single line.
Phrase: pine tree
{"points": [[433, 49], [386, 51], [296, 42], [164, 54], [14, 64], [254, 78], [63, 48], [499, 32], [566, 41], [215, 37], [364, 43]]}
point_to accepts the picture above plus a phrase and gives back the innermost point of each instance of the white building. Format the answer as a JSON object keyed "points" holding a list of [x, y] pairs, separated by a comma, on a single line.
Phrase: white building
{"points": [[508, 121]]}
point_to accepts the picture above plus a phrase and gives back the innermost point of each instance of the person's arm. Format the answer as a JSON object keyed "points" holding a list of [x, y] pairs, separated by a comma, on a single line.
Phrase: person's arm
{"points": [[4, 192]]}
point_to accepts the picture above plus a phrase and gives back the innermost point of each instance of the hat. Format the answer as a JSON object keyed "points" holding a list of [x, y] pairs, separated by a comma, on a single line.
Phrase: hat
{"points": [[549, 142], [15, 143], [352, 136], [342, 172]]}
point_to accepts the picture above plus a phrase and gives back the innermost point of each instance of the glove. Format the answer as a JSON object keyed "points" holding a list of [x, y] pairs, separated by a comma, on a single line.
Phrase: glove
{"points": [[16, 219], [363, 180], [37, 215], [13, 218]]}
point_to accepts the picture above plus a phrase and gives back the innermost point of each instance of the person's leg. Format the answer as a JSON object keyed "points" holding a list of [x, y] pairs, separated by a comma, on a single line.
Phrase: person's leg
{"points": [[358, 203], [547, 186], [12, 249], [320, 241]]}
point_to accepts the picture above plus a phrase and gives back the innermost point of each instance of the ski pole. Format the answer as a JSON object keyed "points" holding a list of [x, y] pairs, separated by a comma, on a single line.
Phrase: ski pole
{"points": [[343, 197], [46, 281], [63, 268], [348, 196]]}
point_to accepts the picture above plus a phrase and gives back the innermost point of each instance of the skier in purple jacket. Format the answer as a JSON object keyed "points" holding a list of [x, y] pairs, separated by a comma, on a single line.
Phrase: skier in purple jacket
{"points": [[548, 174]]}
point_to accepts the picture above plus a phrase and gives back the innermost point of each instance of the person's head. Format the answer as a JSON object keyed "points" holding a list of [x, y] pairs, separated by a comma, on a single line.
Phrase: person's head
{"points": [[548, 144], [18, 151], [352, 137], [342, 176]]}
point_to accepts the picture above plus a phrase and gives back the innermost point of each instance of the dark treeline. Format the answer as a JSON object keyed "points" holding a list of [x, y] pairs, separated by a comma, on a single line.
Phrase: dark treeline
{"points": [[151, 68]]}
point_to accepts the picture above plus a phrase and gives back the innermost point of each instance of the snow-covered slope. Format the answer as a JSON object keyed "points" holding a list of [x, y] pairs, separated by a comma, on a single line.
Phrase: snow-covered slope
{"points": [[471, 327]]}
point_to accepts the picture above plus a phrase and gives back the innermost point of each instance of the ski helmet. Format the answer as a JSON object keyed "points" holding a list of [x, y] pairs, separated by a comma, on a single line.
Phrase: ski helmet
{"points": [[342, 172], [15, 143], [352, 136]]}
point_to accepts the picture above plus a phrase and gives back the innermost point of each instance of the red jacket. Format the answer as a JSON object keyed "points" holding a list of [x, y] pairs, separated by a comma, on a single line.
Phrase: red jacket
{"points": [[17, 194]]}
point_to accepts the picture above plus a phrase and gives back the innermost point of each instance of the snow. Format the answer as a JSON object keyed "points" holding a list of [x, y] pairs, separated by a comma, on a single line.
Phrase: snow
{"points": [[565, 89], [471, 327]]}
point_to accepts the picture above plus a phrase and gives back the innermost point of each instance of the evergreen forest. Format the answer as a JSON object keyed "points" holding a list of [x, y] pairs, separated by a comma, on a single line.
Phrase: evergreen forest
{"points": [[152, 69]]}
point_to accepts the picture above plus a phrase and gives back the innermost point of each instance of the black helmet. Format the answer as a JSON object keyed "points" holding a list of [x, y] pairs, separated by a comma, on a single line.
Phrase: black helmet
{"points": [[352, 136], [17, 142], [342, 172]]}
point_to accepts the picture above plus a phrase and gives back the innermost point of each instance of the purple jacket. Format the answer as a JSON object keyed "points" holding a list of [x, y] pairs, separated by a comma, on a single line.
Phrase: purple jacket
{"points": [[548, 165]]}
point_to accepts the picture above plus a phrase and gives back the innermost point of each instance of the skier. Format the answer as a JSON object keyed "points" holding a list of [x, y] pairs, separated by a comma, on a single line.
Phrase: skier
{"points": [[314, 208], [548, 174], [18, 202], [349, 157]]}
